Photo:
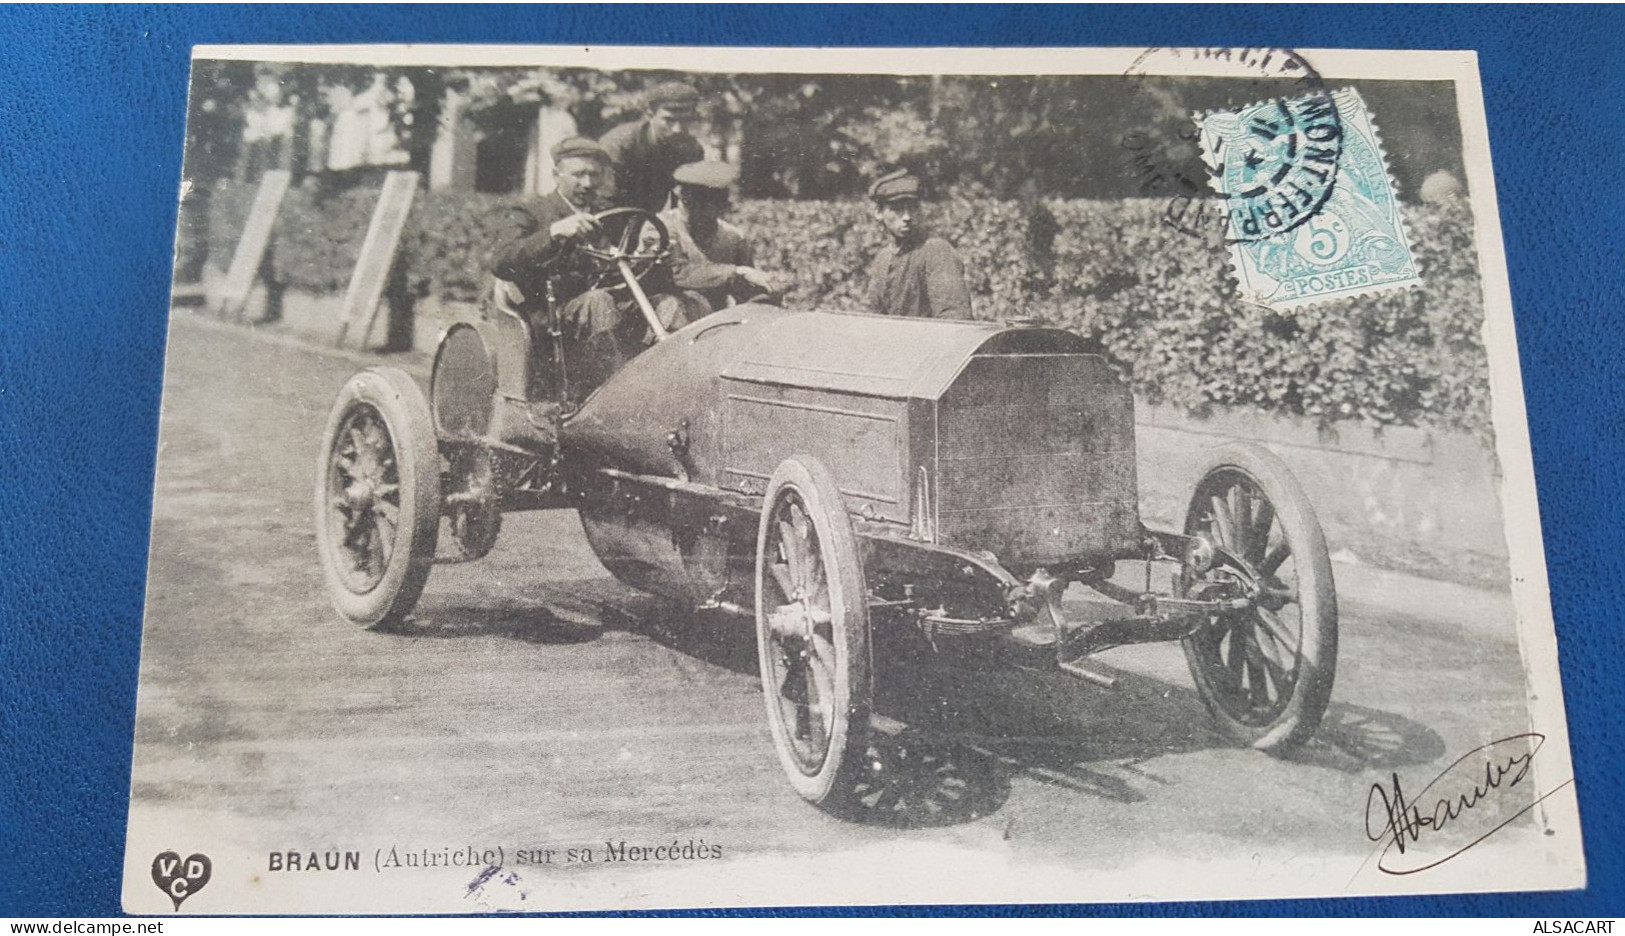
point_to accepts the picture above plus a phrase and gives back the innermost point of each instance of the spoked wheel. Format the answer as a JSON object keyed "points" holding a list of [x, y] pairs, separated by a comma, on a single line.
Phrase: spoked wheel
{"points": [[475, 523], [1265, 671], [812, 630], [474, 531], [378, 497]]}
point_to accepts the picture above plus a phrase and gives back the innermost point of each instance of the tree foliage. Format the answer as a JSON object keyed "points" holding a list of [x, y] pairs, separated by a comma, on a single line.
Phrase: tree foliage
{"points": [[823, 136]]}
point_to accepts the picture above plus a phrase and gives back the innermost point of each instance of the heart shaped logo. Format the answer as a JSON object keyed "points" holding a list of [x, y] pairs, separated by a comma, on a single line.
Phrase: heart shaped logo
{"points": [[180, 878]]}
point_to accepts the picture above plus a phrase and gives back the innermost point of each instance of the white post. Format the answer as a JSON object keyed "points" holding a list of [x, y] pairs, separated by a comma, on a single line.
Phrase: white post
{"points": [[552, 125], [443, 155]]}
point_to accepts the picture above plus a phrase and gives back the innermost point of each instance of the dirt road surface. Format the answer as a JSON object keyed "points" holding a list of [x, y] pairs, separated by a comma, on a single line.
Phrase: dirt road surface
{"points": [[536, 703]]}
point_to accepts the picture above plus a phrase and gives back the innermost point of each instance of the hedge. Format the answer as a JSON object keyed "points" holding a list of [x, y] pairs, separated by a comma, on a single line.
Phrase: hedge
{"points": [[1161, 304], [318, 237]]}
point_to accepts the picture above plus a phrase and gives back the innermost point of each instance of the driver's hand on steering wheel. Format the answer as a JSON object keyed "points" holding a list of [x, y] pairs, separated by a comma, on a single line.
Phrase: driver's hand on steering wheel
{"points": [[756, 278], [577, 227]]}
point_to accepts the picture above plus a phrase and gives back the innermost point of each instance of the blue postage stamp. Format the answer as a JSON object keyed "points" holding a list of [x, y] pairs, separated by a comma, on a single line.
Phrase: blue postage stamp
{"points": [[1312, 213]]}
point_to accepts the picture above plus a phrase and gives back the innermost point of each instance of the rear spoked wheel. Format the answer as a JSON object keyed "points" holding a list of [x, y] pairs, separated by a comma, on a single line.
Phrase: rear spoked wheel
{"points": [[473, 520], [812, 629], [1265, 670]]}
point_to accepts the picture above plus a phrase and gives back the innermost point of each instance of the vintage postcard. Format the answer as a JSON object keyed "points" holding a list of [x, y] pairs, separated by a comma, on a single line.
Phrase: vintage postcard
{"points": [[607, 478]]}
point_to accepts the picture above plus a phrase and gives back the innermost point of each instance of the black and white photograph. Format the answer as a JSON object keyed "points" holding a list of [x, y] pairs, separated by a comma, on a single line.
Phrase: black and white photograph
{"points": [[639, 478]]}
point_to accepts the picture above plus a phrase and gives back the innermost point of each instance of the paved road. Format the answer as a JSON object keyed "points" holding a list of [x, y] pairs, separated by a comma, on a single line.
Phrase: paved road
{"points": [[536, 702]]}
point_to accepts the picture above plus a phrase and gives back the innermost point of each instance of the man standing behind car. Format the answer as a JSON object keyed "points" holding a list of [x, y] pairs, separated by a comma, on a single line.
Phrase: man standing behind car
{"points": [[710, 256], [540, 245], [916, 275], [645, 152]]}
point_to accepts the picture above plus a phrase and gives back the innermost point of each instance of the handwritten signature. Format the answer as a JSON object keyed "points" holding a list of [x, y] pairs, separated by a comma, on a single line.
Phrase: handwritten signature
{"points": [[1402, 821]]}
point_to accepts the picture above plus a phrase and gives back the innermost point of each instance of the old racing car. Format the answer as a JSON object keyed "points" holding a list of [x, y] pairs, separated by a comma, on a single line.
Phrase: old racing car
{"points": [[838, 477]]}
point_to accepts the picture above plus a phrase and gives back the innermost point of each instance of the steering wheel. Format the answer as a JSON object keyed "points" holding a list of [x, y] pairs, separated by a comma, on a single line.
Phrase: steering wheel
{"points": [[630, 248]]}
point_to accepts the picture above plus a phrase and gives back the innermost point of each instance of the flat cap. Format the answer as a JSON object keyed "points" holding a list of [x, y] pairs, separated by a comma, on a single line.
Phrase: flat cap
{"points": [[708, 173], [895, 185], [673, 94], [578, 146]]}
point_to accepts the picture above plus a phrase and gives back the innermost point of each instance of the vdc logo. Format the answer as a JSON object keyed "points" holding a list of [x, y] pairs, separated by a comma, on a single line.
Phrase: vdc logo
{"points": [[179, 878]]}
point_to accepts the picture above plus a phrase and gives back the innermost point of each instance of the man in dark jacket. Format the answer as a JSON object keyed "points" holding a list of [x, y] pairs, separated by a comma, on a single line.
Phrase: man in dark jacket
{"points": [[537, 261], [645, 152], [916, 275]]}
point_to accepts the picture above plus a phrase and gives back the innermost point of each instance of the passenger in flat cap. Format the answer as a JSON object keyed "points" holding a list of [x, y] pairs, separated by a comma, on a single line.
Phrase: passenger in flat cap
{"points": [[916, 274], [536, 254], [645, 152], [712, 258]]}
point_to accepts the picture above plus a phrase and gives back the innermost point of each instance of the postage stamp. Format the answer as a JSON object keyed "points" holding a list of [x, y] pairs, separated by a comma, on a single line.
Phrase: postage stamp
{"points": [[1312, 212], [625, 478]]}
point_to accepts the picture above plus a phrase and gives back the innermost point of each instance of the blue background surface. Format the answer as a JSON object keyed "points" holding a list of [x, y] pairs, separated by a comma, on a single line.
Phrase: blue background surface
{"points": [[92, 104]]}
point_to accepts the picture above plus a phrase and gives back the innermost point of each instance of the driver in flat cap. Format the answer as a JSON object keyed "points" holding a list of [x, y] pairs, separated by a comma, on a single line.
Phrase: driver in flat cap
{"points": [[601, 330], [916, 274], [711, 257], [645, 152]]}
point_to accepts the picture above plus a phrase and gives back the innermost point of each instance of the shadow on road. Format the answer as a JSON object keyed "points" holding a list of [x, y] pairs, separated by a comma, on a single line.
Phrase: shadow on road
{"points": [[953, 728], [974, 723], [1353, 738], [528, 624], [912, 781]]}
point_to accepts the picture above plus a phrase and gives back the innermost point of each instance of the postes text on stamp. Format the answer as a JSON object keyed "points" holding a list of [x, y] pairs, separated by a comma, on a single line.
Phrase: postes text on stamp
{"points": [[1312, 212]]}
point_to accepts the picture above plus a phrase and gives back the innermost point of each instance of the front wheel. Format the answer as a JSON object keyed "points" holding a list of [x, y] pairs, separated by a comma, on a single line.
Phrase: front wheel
{"points": [[378, 497], [1264, 671], [812, 632]]}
